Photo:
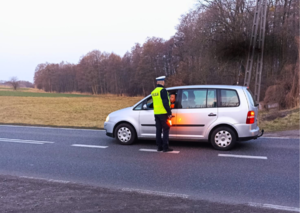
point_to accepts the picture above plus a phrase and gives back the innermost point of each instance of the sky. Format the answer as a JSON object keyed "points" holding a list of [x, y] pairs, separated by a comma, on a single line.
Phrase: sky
{"points": [[39, 31]]}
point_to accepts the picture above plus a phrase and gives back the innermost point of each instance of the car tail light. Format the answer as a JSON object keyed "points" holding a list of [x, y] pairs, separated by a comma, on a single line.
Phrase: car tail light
{"points": [[250, 117]]}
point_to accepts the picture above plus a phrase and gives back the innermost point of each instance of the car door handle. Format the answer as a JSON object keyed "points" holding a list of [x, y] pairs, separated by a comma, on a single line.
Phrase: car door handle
{"points": [[212, 114]]}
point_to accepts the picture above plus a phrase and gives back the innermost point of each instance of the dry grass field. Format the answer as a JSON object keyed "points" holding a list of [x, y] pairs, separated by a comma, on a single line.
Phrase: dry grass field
{"points": [[32, 92], [89, 112], [35, 107]]}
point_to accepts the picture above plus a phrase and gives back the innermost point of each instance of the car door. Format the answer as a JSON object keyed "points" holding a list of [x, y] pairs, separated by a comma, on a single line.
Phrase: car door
{"points": [[197, 110], [147, 121]]}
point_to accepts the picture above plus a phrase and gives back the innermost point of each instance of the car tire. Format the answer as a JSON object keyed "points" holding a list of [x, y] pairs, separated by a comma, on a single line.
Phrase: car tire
{"points": [[223, 138], [125, 134]]}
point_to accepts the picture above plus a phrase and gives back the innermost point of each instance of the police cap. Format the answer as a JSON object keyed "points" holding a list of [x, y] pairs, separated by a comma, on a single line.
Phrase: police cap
{"points": [[160, 78]]}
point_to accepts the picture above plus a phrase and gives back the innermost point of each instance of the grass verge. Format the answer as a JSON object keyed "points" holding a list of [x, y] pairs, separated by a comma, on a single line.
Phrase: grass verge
{"points": [[279, 121]]}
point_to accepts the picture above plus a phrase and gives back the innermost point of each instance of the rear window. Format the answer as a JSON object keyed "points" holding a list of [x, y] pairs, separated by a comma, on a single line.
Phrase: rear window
{"points": [[250, 97], [229, 98]]}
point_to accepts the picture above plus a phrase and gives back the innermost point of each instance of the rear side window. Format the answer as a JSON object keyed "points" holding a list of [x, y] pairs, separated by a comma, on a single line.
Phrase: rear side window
{"points": [[229, 98], [250, 97], [193, 98]]}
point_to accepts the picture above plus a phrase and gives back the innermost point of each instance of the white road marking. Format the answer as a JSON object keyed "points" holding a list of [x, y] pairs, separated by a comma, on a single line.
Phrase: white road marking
{"points": [[173, 152], [243, 156], [154, 150], [165, 194], [45, 179], [10, 140], [277, 207], [26, 140], [89, 146], [148, 150], [45, 127]]}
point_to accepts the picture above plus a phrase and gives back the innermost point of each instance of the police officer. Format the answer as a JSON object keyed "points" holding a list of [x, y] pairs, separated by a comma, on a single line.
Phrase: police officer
{"points": [[162, 113]]}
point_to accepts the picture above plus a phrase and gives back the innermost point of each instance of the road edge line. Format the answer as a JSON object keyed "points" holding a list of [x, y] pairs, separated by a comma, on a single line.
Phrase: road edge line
{"points": [[51, 127], [150, 192], [277, 207]]}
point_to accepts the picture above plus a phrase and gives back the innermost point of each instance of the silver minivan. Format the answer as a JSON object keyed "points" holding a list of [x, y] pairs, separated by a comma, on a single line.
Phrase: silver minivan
{"points": [[219, 114]]}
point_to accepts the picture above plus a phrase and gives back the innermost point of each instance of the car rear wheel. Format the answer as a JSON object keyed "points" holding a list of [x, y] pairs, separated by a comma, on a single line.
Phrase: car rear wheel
{"points": [[223, 138], [125, 134]]}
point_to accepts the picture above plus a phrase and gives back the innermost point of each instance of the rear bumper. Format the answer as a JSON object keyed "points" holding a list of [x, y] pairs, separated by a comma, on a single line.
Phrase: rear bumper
{"points": [[245, 131], [252, 137]]}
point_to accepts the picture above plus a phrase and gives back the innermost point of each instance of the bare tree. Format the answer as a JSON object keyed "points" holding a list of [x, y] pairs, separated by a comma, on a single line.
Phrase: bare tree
{"points": [[14, 83], [210, 46]]}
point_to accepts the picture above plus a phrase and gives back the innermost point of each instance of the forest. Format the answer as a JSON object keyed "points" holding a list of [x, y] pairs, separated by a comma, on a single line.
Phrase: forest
{"points": [[210, 46]]}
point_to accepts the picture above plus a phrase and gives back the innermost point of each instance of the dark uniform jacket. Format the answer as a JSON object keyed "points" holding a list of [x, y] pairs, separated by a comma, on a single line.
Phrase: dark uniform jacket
{"points": [[165, 99]]}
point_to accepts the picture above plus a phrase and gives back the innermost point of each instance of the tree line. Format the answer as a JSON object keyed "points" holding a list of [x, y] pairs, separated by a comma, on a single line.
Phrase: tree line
{"points": [[15, 83], [210, 46]]}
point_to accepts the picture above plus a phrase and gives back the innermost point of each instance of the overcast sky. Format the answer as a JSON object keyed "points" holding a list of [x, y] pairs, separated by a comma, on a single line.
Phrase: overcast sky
{"points": [[39, 31]]}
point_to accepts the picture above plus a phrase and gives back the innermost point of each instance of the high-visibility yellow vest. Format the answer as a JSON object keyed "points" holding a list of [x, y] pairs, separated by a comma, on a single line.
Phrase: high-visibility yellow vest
{"points": [[157, 102]]}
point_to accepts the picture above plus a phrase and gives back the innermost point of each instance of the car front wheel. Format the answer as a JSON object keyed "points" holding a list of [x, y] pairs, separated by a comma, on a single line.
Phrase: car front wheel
{"points": [[223, 138], [125, 134]]}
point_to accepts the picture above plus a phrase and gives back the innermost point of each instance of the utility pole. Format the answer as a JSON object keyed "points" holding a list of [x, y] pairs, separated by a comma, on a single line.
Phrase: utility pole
{"points": [[257, 41]]}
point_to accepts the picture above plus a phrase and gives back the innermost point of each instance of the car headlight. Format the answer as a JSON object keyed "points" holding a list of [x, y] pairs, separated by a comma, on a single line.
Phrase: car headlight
{"points": [[107, 119]]}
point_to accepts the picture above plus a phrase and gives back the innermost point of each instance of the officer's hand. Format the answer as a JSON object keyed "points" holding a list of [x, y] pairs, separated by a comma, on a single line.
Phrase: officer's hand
{"points": [[170, 116]]}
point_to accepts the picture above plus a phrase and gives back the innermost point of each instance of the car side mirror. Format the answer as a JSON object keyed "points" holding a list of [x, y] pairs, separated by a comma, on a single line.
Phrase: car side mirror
{"points": [[145, 106]]}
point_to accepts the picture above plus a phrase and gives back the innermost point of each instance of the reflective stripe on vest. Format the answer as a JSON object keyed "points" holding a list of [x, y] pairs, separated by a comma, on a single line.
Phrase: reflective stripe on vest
{"points": [[157, 101]]}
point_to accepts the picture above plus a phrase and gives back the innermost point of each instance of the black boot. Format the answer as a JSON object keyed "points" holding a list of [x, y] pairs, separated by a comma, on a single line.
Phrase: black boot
{"points": [[168, 150]]}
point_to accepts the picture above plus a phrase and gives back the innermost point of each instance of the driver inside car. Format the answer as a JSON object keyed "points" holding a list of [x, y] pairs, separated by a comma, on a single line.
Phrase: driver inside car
{"points": [[172, 100]]}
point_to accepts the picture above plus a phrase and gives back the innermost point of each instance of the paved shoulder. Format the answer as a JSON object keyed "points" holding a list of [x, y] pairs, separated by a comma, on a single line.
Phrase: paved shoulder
{"points": [[30, 195], [287, 134]]}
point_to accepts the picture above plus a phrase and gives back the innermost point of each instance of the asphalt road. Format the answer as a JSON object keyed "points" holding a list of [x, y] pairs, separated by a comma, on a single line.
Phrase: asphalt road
{"points": [[259, 172]]}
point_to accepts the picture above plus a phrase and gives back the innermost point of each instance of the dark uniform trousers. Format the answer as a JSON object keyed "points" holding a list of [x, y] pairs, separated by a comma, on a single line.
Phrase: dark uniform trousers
{"points": [[162, 126]]}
